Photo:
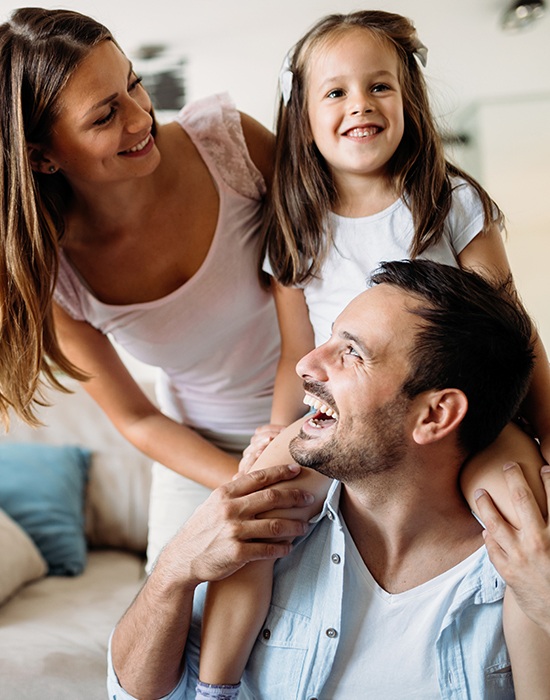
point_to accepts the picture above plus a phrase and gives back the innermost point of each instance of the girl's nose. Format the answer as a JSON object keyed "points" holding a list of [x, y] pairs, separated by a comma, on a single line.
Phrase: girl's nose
{"points": [[362, 104], [361, 108]]}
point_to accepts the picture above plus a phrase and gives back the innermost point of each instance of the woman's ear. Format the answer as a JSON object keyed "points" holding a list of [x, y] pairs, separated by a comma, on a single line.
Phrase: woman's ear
{"points": [[40, 163], [441, 412]]}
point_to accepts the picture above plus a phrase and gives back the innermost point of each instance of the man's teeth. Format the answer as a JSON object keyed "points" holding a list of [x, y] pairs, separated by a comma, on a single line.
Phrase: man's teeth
{"points": [[140, 146], [319, 406], [362, 133]]}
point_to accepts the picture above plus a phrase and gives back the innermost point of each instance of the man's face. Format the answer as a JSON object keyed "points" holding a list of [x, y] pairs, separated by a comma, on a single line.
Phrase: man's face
{"points": [[357, 377]]}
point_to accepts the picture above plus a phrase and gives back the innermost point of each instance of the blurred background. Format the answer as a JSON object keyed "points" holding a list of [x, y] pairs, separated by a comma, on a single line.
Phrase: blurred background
{"points": [[490, 86]]}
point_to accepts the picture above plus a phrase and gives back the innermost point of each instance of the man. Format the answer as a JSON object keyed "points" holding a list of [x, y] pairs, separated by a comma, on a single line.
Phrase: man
{"points": [[391, 594]]}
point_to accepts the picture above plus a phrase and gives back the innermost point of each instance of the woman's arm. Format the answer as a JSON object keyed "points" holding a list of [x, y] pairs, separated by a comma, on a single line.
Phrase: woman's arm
{"points": [[261, 145], [135, 417]]}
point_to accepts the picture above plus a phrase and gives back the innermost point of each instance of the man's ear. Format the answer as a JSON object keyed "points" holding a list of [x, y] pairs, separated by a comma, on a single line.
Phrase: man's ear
{"points": [[40, 163], [441, 412]]}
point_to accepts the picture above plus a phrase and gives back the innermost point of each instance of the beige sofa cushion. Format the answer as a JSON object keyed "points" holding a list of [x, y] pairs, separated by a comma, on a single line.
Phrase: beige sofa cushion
{"points": [[20, 560]]}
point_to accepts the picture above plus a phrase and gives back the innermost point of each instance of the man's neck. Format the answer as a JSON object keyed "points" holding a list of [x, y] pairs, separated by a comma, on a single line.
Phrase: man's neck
{"points": [[408, 535]]}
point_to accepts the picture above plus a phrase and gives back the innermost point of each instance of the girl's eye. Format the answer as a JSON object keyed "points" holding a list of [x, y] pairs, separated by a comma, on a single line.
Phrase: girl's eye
{"points": [[335, 93], [134, 84], [380, 88], [107, 119]]}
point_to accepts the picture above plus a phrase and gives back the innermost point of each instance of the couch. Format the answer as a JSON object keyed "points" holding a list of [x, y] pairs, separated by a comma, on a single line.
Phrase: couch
{"points": [[54, 621]]}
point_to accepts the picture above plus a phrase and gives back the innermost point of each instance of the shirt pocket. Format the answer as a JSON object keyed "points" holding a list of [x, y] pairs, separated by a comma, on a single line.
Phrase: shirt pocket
{"points": [[277, 660], [499, 682]]}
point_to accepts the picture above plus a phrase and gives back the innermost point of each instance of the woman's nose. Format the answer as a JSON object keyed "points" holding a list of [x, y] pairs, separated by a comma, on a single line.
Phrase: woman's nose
{"points": [[137, 117]]}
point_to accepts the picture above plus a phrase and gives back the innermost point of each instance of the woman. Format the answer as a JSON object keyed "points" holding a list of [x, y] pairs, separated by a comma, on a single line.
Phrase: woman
{"points": [[114, 225]]}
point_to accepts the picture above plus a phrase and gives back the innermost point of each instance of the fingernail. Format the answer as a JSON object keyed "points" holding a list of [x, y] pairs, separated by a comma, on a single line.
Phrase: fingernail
{"points": [[545, 469], [478, 493], [309, 497], [294, 467], [509, 465]]}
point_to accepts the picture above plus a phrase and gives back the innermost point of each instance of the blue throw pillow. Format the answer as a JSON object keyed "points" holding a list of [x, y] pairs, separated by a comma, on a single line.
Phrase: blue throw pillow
{"points": [[42, 488]]}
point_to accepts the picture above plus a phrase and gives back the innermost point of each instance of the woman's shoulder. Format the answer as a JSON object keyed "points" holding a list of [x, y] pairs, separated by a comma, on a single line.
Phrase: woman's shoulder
{"points": [[214, 125]]}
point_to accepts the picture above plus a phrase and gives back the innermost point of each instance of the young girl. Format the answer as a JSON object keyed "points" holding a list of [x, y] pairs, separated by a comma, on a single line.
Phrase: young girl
{"points": [[360, 177]]}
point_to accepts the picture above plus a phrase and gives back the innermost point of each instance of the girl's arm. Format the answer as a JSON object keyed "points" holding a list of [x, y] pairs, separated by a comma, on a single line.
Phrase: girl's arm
{"points": [[529, 649], [522, 556], [486, 255], [135, 417], [240, 603], [296, 341]]}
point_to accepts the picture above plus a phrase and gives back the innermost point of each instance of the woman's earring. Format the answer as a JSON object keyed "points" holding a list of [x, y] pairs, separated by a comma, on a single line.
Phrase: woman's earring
{"points": [[52, 169]]}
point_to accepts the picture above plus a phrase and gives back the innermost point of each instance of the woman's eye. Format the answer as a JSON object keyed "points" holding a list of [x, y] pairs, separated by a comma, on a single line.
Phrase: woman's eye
{"points": [[107, 119], [134, 84]]}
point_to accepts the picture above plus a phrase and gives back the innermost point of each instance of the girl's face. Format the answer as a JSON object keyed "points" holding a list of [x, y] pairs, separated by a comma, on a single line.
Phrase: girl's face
{"points": [[355, 104], [103, 132]]}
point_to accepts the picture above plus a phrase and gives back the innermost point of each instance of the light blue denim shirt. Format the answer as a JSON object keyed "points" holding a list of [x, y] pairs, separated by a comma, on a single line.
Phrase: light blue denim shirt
{"points": [[294, 653]]}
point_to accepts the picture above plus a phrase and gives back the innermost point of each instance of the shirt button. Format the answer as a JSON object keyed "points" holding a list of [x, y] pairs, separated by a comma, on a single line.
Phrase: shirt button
{"points": [[331, 632], [266, 634], [330, 516], [335, 558]]}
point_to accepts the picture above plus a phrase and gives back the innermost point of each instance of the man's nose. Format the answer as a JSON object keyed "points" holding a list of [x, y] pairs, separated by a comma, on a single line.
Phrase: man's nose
{"points": [[313, 365]]}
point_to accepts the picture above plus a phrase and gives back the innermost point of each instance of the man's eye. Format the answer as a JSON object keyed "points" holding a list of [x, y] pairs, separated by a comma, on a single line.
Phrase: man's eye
{"points": [[352, 351]]}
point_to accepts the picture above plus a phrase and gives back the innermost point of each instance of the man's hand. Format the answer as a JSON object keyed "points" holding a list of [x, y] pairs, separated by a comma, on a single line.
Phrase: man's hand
{"points": [[521, 556], [225, 533]]}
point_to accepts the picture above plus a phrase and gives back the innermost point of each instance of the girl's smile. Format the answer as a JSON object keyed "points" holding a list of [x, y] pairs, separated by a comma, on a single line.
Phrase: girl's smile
{"points": [[355, 104]]}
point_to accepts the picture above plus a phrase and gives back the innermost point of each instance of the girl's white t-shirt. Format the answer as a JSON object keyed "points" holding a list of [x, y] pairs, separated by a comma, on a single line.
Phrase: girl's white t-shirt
{"points": [[361, 244]]}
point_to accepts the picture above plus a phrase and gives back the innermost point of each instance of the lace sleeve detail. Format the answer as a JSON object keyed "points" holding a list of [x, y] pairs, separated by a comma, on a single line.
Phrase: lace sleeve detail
{"points": [[214, 125], [66, 292]]}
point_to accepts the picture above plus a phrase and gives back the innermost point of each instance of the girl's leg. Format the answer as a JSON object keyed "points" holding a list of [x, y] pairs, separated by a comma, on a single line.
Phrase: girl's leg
{"points": [[236, 607], [484, 470], [234, 612]]}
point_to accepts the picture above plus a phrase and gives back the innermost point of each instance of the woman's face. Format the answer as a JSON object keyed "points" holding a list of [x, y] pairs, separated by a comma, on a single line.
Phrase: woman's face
{"points": [[103, 132]]}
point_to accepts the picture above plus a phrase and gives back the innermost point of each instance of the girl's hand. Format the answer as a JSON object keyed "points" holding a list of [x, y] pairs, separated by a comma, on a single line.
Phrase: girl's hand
{"points": [[522, 556], [263, 435]]}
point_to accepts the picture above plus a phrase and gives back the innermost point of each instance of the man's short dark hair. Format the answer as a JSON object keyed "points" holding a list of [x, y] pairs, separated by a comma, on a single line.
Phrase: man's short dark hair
{"points": [[476, 337]]}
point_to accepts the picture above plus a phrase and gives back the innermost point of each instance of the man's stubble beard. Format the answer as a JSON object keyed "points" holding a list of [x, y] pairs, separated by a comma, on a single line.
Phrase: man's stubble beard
{"points": [[359, 449]]}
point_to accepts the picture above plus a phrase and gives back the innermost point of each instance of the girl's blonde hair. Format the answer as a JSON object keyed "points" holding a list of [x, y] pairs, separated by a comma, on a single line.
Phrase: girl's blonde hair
{"points": [[296, 233], [39, 51]]}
